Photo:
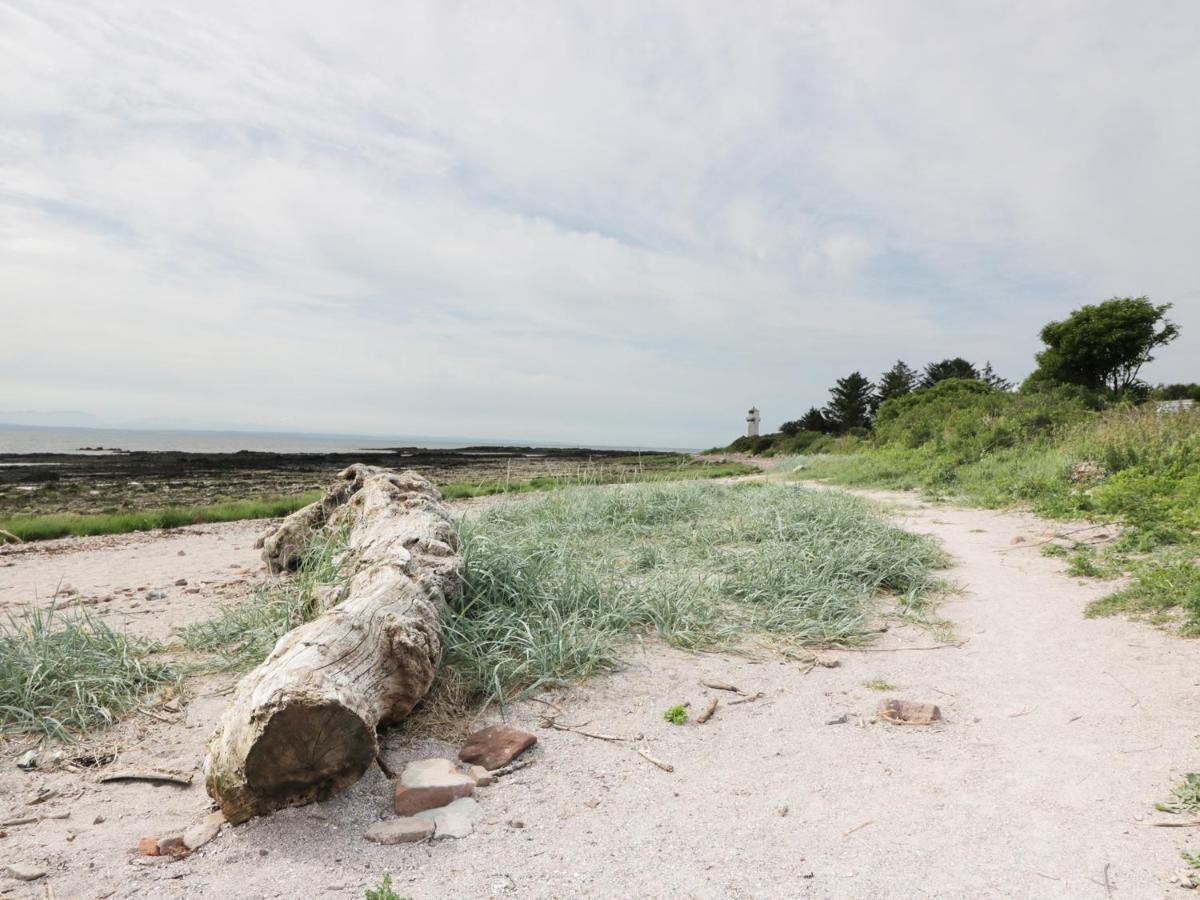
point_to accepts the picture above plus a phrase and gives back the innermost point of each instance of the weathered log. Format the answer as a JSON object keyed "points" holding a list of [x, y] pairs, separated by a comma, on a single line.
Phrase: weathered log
{"points": [[302, 724]]}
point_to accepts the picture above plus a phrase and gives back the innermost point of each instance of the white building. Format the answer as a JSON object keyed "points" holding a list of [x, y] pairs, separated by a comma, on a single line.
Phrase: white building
{"points": [[752, 420]]}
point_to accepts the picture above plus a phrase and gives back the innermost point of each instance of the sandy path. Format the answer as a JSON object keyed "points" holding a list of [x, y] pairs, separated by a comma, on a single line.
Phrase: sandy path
{"points": [[1060, 733]]}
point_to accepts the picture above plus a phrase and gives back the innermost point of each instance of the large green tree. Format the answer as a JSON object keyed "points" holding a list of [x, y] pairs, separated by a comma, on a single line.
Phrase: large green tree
{"points": [[989, 377], [1104, 346], [851, 400], [896, 382], [948, 368]]}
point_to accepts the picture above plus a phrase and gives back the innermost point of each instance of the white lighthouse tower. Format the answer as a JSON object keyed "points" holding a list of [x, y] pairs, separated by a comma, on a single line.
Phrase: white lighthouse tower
{"points": [[752, 420]]}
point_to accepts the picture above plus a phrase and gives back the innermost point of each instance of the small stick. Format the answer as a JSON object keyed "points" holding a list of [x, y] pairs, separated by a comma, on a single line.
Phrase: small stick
{"points": [[512, 767], [721, 686], [859, 827], [665, 766], [169, 777], [1026, 711], [550, 723], [12, 823], [10, 535], [1107, 886], [1136, 698], [899, 649], [1194, 823], [709, 710], [750, 698], [1061, 534], [384, 767]]}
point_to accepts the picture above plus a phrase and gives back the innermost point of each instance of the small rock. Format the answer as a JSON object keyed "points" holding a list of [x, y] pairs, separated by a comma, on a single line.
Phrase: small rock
{"points": [[99, 820], [839, 720], [399, 831], [781, 811], [181, 553], [481, 776], [192, 591], [496, 746], [515, 823], [893, 710], [464, 807], [28, 761], [148, 846], [22, 872], [67, 589], [200, 834], [452, 827], [429, 783], [156, 595], [172, 844], [180, 582]]}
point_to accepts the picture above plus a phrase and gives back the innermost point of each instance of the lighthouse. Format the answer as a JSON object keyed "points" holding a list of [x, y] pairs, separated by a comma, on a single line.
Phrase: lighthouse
{"points": [[752, 420]]}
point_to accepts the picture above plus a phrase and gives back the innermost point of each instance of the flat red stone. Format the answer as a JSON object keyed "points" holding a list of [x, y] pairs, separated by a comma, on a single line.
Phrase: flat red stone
{"points": [[495, 746]]}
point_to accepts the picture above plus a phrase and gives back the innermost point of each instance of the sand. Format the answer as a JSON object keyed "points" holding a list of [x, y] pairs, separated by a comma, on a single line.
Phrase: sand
{"points": [[1059, 734]]}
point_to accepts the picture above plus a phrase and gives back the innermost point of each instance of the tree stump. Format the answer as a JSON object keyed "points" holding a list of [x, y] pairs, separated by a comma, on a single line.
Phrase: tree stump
{"points": [[302, 724]]}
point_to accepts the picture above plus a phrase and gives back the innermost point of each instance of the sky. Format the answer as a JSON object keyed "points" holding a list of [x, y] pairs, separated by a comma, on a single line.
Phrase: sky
{"points": [[617, 223]]}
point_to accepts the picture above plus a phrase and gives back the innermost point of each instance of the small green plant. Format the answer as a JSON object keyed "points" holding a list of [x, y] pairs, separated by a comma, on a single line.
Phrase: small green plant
{"points": [[1083, 566], [878, 684], [63, 674], [1053, 549], [1186, 796], [676, 715], [384, 891]]}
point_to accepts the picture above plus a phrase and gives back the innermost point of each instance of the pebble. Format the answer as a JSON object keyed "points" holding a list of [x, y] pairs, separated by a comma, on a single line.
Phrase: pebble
{"points": [[496, 746], [180, 582], [22, 872], [481, 776], [404, 830]]}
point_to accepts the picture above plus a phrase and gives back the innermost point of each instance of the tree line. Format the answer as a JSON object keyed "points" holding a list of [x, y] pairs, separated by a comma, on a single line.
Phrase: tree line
{"points": [[1100, 348]]}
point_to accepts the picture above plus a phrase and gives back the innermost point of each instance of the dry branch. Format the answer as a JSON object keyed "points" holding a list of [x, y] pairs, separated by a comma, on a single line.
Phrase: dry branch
{"points": [[302, 724]]}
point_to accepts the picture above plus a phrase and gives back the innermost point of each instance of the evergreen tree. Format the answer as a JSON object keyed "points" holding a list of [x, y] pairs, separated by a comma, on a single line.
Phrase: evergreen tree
{"points": [[814, 420], [948, 368], [896, 382], [850, 403], [988, 376]]}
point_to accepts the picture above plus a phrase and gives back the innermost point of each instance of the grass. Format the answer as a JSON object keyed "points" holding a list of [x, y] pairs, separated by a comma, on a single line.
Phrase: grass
{"points": [[244, 633], [1129, 466], [41, 528], [1185, 796], [66, 673], [676, 715], [878, 684], [557, 585], [620, 472]]}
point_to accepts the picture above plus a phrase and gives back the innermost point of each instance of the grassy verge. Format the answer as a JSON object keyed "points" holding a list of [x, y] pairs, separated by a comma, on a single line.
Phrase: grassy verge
{"points": [[557, 585], [40, 528], [620, 472], [1129, 466], [65, 673]]}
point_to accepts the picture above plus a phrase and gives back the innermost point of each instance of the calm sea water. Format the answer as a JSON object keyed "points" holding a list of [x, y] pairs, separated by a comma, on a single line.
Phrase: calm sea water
{"points": [[74, 440]]}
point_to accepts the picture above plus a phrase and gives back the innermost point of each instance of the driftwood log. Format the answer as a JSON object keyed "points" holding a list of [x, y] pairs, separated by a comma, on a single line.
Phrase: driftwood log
{"points": [[302, 724]]}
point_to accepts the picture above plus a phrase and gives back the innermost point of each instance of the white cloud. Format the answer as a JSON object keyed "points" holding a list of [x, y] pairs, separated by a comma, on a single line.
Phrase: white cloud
{"points": [[606, 224]]}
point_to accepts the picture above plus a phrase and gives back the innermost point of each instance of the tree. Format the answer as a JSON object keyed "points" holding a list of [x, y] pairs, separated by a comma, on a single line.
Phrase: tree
{"points": [[814, 420], [850, 403], [896, 382], [791, 428], [1176, 392], [992, 380], [1104, 346], [948, 368]]}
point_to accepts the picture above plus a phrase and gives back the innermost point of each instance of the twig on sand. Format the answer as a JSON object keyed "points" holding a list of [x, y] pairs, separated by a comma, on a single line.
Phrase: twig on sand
{"points": [[956, 645], [1061, 534], [156, 776], [665, 766], [1191, 823], [859, 827], [548, 722], [708, 711], [721, 686], [748, 698], [1136, 698], [513, 767], [1107, 886], [553, 706], [1026, 711]]}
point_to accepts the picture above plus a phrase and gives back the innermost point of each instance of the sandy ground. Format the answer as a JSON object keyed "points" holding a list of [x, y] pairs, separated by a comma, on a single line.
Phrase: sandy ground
{"points": [[1059, 735]]}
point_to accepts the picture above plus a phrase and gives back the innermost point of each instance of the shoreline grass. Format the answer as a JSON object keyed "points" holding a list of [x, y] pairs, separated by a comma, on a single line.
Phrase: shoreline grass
{"points": [[57, 525], [62, 674]]}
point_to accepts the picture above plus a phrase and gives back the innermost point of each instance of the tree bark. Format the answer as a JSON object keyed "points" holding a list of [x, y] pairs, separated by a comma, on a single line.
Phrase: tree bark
{"points": [[302, 724]]}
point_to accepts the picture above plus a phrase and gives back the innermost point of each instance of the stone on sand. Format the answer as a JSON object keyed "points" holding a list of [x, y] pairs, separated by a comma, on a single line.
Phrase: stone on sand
{"points": [[496, 746], [429, 783], [404, 830]]}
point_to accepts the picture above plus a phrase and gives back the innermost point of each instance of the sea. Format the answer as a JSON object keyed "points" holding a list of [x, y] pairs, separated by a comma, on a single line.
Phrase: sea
{"points": [[36, 439], [39, 439]]}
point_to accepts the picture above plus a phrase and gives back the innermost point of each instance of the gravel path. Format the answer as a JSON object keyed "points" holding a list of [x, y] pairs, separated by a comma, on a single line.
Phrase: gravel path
{"points": [[1059, 734]]}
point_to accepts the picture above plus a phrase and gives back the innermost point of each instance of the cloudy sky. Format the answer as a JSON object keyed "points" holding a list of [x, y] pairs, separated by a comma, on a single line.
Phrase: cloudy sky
{"points": [[616, 223]]}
